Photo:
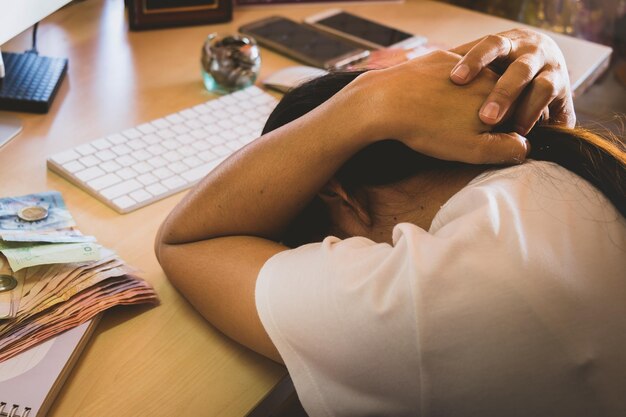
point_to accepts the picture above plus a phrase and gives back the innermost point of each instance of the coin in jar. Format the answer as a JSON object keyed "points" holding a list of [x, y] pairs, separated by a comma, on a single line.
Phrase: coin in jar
{"points": [[7, 283], [32, 213]]}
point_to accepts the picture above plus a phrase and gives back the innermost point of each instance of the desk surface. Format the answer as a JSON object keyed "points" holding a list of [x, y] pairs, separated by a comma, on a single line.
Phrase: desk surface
{"points": [[167, 360]]}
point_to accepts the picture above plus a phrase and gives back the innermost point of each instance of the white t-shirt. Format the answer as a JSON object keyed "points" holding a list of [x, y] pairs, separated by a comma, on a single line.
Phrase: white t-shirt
{"points": [[512, 304]]}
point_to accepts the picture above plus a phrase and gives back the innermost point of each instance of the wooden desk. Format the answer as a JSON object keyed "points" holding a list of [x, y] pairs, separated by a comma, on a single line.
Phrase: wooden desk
{"points": [[167, 360]]}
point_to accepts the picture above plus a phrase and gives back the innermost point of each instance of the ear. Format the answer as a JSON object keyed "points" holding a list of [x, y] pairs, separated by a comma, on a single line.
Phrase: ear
{"points": [[345, 209]]}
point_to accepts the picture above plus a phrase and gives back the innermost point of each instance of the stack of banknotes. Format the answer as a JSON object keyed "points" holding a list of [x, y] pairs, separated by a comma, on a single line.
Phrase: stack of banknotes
{"points": [[52, 277]]}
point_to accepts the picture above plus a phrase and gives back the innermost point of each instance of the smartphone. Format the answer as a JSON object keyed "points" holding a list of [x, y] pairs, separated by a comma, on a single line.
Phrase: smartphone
{"points": [[363, 31], [304, 43]]}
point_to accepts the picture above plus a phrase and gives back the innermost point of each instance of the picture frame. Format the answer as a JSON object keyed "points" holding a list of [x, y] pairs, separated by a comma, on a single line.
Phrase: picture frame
{"points": [[154, 14]]}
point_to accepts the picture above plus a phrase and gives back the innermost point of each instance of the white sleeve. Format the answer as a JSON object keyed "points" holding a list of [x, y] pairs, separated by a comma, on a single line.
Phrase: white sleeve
{"points": [[338, 311], [512, 304]]}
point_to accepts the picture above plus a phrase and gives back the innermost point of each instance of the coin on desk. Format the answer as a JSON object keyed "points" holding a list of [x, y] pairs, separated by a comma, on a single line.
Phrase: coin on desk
{"points": [[32, 213], [7, 283]]}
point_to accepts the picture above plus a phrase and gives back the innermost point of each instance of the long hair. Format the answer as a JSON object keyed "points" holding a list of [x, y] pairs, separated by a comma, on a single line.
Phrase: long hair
{"points": [[598, 159]]}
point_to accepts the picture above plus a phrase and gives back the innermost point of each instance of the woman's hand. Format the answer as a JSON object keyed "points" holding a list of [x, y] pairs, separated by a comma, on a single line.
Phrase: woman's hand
{"points": [[416, 103], [535, 82]]}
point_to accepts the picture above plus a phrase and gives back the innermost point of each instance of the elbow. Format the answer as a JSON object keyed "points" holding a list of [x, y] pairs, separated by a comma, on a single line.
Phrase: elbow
{"points": [[159, 245]]}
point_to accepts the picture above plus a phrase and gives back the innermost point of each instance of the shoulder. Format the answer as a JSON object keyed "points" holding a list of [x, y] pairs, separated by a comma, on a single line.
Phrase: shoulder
{"points": [[536, 197]]}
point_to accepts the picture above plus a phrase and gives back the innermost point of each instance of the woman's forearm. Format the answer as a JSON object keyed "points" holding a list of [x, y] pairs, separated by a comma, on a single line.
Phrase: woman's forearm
{"points": [[257, 191]]}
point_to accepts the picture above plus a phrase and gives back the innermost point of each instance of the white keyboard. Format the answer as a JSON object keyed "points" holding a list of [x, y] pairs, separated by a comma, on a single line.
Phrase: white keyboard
{"points": [[144, 164]]}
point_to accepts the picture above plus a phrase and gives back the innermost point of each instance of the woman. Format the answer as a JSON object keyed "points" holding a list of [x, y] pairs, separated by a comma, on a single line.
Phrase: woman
{"points": [[454, 289]]}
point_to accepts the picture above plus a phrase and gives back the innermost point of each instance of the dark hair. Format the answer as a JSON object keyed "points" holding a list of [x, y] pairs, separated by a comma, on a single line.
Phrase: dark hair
{"points": [[600, 160]]}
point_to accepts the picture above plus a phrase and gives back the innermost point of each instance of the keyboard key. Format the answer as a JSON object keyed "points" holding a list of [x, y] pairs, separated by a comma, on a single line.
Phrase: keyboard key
{"points": [[221, 150], [151, 139], [160, 123], [175, 118], [240, 120], [117, 139], [170, 144], [127, 173], [228, 100], [200, 171], [66, 156], [188, 114], [89, 161], [121, 149], [131, 133], [162, 173], [73, 166], [201, 108], [85, 149], [178, 167], [186, 150], [180, 129], [146, 128], [213, 129], [221, 114], [207, 156], [233, 110], [126, 160], [173, 183], [185, 139], [199, 133], [207, 119], [201, 146], [141, 155], [124, 202], [173, 156], [101, 144], [110, 166], [192, 161], [156, 149], [156, 189], [147, 178], [229, 135], [241, 130], [104, 181], [215, 140], [166, 134], [140, 195], [194, 124], [105, 155], [121, 189], [143, 167], [157, 162], [89, 174], [136, 144]]}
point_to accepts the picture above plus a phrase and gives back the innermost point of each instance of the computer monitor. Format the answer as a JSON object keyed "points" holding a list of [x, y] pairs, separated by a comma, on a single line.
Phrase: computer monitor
{"points": [[15, 18]]}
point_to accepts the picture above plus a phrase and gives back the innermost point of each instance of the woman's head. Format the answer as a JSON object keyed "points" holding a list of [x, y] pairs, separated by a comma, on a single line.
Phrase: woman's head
{"points": [[378, 166], [387, 164]]}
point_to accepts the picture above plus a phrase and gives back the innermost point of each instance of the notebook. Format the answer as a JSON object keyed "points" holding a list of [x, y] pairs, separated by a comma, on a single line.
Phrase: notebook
{"points": [[30, 381]]}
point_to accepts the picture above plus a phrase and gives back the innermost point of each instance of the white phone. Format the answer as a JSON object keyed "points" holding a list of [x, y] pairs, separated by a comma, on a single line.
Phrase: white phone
{"points": [[363, 31]]}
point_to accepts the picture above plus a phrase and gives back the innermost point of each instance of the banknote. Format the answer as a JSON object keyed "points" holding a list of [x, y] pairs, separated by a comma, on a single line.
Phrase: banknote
{"points": [[9, 300], [127, 289], [52, 277], [66, 235], [24, 254], [58, 217]]}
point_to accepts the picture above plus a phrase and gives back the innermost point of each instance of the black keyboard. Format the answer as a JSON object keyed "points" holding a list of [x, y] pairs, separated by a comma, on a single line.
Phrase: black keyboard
{"points": [[31, 81]]}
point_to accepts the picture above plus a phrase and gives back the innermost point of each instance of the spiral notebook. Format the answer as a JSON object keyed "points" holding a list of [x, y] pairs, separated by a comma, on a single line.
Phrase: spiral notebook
{"points": [[30, 381]]}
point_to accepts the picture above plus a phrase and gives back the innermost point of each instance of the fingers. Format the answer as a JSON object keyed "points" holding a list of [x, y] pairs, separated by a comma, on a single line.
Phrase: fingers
{"points": [[480, 54], [497, 148], [509, 87], [547, 91]]}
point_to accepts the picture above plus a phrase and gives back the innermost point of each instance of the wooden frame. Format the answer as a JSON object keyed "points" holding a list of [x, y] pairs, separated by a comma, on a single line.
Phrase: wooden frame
{"points": [[152, 14]]}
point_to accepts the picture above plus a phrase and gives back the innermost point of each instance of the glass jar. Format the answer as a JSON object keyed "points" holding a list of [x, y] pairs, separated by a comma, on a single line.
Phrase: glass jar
{"points": [[229, 62]]}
